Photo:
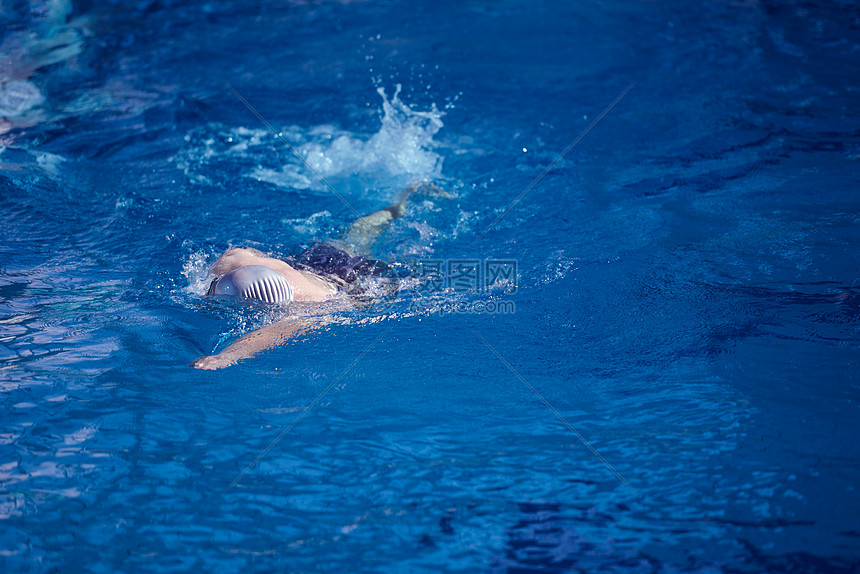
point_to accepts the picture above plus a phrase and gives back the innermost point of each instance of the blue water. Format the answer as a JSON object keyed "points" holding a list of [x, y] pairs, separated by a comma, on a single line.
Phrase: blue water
{"points": [[688, 287]]}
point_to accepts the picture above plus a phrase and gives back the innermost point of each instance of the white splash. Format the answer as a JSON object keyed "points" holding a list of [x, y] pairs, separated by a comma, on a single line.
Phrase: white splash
{"points": [[403, 146], [398, 154], [196, 271]]}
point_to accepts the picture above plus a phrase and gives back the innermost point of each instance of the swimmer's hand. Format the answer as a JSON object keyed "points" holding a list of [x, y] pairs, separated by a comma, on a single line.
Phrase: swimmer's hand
{"points": [[254, 343]]}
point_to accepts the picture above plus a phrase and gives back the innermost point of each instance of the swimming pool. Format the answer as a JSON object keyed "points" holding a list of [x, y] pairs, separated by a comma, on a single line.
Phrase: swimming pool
{"points": [[657, 369]]}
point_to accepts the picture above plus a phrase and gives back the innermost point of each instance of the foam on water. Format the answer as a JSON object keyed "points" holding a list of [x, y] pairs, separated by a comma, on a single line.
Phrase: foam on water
{"points": [[399, 153], [402, 149], [196, 271]]}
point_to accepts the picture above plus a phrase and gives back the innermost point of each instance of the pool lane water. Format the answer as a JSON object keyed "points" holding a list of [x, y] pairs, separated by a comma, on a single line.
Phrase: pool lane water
{"points": [[687, 301]]}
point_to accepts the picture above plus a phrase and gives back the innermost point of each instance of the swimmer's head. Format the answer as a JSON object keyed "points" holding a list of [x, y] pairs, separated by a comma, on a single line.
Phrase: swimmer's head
{"points": [[254, 282]]}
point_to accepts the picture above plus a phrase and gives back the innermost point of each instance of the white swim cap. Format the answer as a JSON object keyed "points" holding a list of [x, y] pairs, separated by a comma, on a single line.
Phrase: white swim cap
{"points": [[254, 282]]}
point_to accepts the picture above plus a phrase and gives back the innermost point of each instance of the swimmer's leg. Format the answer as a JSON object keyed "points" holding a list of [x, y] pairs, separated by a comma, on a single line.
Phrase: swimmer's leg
{"points": [[365, 230]]}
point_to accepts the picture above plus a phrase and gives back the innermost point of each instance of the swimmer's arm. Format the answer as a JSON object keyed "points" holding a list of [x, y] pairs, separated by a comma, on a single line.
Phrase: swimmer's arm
{"points": [[253, 343]]}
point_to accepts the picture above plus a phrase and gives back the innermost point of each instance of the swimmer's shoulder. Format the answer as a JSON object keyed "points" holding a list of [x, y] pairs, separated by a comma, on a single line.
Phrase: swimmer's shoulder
{"points": [[333, 284]]}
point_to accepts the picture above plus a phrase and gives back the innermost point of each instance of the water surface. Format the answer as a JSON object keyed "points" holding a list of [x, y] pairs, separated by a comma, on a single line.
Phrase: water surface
{"points": [[688, 296]]}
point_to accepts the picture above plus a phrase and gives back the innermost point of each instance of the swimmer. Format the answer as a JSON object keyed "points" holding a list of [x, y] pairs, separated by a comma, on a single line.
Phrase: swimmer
{"points": [[315, 277]]}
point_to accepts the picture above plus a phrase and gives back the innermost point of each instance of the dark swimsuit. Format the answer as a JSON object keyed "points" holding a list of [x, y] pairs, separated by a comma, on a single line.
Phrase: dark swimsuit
{"points": [[341, 267]]}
